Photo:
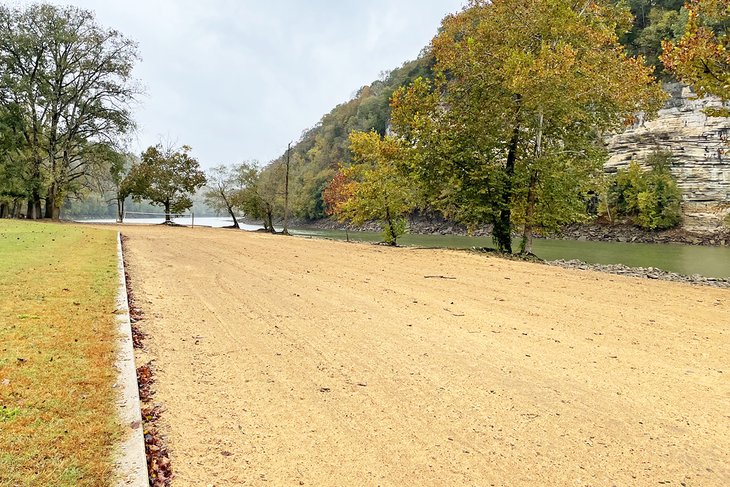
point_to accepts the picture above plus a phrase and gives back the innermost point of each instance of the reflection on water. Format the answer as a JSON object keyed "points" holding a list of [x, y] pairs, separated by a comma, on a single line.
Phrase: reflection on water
{"points": [[683, 259]]}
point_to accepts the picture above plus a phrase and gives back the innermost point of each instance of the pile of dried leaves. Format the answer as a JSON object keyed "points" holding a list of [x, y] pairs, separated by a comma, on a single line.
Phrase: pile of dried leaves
{"points": [[158, 460]]}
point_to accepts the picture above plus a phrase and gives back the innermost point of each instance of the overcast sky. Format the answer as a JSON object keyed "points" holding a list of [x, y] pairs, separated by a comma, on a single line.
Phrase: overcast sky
{"points": [[238, 80]]}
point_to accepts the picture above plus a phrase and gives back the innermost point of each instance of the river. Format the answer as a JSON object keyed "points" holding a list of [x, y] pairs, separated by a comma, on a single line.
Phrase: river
{"points": [[682, 259]]}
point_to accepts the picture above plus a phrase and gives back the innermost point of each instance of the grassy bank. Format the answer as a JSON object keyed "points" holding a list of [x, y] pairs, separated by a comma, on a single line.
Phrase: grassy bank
{"points": [[57, 346]]}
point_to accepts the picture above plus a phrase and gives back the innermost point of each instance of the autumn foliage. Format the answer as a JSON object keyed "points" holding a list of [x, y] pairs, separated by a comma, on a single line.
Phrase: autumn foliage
{"points": [[509, 132], [701, 57], [376, 187], [337, 192]]}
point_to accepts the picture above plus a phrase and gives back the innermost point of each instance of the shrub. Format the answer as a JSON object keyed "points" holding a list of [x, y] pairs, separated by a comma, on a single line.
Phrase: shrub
{"points": [[651, 199]]}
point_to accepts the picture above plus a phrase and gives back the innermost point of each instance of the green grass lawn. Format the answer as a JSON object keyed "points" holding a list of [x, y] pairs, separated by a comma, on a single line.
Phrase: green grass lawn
{"points": [[58, 420]]}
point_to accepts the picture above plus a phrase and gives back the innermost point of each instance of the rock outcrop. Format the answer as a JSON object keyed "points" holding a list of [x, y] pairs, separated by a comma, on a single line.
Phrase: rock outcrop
{"points": [[701, 152]]}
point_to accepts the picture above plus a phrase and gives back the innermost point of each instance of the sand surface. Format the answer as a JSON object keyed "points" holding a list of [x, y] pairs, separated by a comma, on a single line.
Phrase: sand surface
{"points": [[289, 361]]}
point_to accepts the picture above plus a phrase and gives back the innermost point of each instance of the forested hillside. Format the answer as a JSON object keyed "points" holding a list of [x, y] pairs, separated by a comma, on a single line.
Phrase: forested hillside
{"points": [[314, 159]]}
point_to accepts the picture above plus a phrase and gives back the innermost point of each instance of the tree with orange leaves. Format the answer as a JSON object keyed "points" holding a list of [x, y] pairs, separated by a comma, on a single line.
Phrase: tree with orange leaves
{"points": [[375, 187]]}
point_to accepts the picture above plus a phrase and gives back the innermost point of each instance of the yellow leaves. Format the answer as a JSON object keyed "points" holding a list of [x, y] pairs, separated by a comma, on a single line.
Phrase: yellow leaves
{"points": [[700, 58], [554, 52], [375, 187]]}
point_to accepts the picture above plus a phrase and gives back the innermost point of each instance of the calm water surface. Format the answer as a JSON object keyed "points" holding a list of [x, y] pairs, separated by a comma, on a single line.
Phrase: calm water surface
{"points": [[683, 259]]}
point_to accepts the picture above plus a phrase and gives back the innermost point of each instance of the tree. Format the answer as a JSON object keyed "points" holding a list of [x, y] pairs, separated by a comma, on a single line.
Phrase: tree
{"points": [[223, 183], [12, 162], [654, 21], [701, 57], [71, 80], [109, 176], [166, 177], [337, 192], [258, 196], [651, 199], [118, 171], [375, 187], [515, 116], [106, 166]]}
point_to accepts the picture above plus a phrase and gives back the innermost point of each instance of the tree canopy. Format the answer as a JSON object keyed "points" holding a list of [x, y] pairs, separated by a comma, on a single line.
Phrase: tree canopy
{"points": [[317, 156], [510, 129], [222, 184], [701, 57], [377, 186], [68, 83], [167, 177]]}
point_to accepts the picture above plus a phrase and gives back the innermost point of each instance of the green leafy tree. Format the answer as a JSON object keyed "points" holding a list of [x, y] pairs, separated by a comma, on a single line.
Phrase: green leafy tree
{"points": [[375, 186], [650, 199], [12, 162], [259, 193], [108, 168], [71, 80], [516, 114], [166, 177]]}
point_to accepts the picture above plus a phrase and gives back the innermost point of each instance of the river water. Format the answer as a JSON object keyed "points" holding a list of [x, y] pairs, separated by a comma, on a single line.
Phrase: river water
{"points": [[683, 259]]}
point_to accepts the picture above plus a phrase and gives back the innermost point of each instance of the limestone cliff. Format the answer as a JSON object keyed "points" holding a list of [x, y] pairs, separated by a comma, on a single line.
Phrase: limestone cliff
{"points": [[701, 154]]}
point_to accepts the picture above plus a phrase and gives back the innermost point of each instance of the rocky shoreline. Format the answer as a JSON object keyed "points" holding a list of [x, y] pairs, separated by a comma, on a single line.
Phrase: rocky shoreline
{"points": [[597, 232], [641, 272], [593, 232], [629, 233]]}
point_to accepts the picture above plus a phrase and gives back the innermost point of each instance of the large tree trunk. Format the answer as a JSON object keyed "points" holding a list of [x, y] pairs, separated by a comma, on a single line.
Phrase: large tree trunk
{"points": [[3, 210], [53, 209], [168, 214], [503, 226], [526, 245], [49, 206], [270, 219], [34, 206], [230, 211], [53, 203], [120, 210], [502, 231], [390, 237], [30, 214], [235, 220]]}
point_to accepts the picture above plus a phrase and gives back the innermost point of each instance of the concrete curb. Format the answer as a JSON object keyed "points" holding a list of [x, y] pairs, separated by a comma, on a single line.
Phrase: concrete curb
{"points": [[131, 462]]}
